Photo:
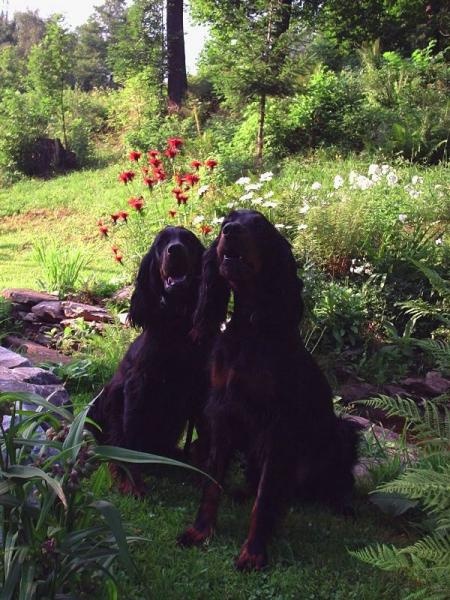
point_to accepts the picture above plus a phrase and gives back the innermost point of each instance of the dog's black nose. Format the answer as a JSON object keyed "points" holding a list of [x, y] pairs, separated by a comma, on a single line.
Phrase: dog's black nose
{"points": [[175, 249], [232, 228]]}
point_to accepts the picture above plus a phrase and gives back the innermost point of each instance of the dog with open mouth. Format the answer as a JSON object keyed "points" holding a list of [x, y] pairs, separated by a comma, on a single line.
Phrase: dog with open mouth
{"points": [[159, 387], [268, 399]]}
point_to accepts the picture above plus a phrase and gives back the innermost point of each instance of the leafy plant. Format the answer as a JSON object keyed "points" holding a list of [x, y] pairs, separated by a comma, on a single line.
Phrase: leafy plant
{"points": [[62, 267], [427, 482], [54, 532]]}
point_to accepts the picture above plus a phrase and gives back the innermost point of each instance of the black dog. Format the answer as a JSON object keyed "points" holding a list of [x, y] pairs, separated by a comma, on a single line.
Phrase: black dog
{"points": [[160, 384], [268, 397]]}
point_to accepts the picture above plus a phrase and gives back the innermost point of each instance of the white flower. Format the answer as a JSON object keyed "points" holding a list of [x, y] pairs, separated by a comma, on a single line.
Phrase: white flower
{"points": [[338, 182], [231, 204], [374, 169], [413, 193], [257, 200], [438, 241], [416, 180], [302, 227], [385, 169], [391, 178], [243, 180], [266, 176], [376, 178], [358, 270], [253, 186], [269, 204], [362, 182], [202, 190], [233, 42], [248, 196], [269, 195], [280, 226], [402, 217], [304, 209], [316, 185], [217, 220], [352, 177], [289, 226], [198, 219]]}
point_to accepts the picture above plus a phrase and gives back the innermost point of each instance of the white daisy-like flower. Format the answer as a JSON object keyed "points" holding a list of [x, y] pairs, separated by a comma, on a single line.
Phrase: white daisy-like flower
{"points": [[253, 187], [438, 241], [374, 169], [414, 193], [202, 190], [217, 220], [316, 185], [257, 200], [270, 204], [392, 178], [358, 270], [376, 178], [302, 227], [198, 219], [243, 180], [231, 205], [416, 180], [338, 182], [402, 218], [246, 197], [385, 169], [304, 209], [233, 42], [266, 176], [280, 226], [269, 195]]}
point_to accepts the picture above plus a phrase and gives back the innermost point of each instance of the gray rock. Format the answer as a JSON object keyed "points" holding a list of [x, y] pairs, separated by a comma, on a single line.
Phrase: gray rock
{"points": [[48, 311], [73, 310], [36, 376], [56, 394], [36, 352], [11, 359], [27, 297]]}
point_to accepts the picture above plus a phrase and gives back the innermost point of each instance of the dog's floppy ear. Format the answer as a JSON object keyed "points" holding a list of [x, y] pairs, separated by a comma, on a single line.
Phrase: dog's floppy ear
{"points": [[281, 286], [213, 299], [145, 301]]}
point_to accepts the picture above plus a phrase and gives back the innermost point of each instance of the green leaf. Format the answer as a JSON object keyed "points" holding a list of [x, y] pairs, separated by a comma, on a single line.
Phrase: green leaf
{"points": [[38, 401], [29, 472], [114, 521], [28, 586]]}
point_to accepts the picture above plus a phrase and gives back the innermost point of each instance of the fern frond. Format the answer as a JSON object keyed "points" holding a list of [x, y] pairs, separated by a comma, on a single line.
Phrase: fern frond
{"points": [[433, 548], [430, 486], [442, 286], [383, 556], [395, 406]]}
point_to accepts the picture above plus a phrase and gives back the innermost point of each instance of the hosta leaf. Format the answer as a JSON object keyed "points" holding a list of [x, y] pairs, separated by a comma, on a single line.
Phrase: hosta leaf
{"points": [[29, 472]]}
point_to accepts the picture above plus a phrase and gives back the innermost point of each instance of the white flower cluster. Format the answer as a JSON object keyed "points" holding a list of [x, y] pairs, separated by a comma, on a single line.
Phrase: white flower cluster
{"points": [[360, 267], [250, 189]]}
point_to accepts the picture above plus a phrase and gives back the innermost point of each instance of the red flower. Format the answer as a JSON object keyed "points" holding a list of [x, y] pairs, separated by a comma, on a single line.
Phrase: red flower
{"points": [[135, 155], [103, 230], [152, 154], [191, 179], [171, 152], [127, 176], [159, 174], [175, 142], [155, 162], [149, 181], [114, 217], [179, 178], [196, 164], [123, 215], [118, 257], [205, 229], [182, 199], [115, 249], [172, 213], [136, 203], [211, 163]]}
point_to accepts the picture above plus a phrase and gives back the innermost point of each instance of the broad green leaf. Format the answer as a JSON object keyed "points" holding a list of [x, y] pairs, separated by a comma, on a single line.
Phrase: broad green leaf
{"points": [[28, 586], [29, 472], [38, 401]]}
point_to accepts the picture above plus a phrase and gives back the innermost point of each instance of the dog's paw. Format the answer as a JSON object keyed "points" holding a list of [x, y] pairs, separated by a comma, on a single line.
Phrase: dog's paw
{"points": [[193, 537], [250, 560]]}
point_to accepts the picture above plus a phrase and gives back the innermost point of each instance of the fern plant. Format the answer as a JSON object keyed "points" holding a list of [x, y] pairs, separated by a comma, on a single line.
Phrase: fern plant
{"points": [[427, 482]]}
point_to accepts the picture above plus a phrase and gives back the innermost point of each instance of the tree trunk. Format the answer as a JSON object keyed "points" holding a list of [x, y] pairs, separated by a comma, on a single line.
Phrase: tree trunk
{"points": [[260, 140], [176, 60]]}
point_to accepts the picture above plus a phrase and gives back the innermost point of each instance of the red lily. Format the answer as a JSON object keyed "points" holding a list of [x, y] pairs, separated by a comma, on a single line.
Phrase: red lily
{"points": [[211, 163], [127, 176], [135, 155], [137, 203]]}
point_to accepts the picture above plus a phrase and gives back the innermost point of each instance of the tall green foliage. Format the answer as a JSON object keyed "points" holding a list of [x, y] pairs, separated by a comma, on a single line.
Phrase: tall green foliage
{"points": [[49, 67]]}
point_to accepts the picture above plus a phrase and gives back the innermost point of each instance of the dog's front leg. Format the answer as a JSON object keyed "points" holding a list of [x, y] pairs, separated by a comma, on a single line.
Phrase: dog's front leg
{"points": [[266, 508]]}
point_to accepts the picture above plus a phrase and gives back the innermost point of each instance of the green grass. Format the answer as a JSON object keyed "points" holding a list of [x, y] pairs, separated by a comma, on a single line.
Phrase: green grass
{"points": [[308, 555]]}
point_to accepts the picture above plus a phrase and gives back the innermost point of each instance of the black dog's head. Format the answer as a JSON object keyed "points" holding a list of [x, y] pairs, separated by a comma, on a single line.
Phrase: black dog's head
{"points": [[168, 277], [251, 258]]}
